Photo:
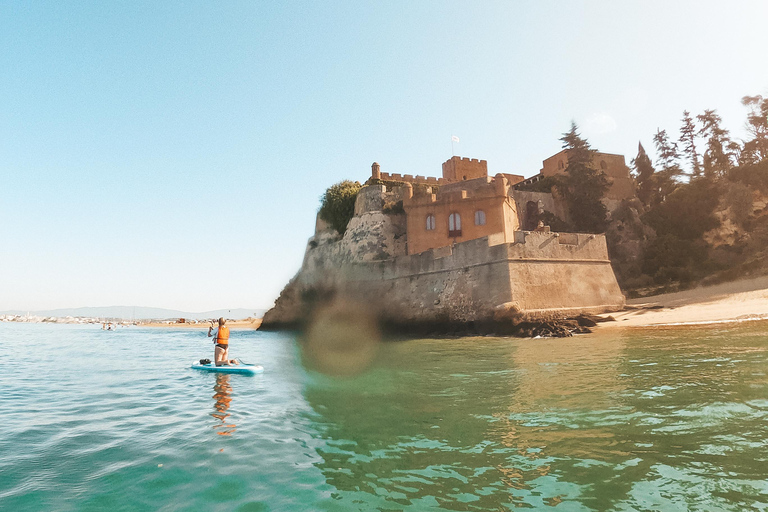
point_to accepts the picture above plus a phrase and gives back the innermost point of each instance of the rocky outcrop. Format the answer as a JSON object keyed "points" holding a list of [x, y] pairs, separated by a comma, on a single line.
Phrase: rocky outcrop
{"points": [[738, 204]]}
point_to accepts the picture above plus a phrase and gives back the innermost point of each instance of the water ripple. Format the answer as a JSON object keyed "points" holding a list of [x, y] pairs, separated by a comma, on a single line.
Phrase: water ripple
{"points": [[665, 419]]}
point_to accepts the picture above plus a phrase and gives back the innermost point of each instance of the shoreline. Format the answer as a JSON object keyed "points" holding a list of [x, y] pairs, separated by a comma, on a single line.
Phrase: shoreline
{"points": [[740, 301], [737, 301], [251, 323]]}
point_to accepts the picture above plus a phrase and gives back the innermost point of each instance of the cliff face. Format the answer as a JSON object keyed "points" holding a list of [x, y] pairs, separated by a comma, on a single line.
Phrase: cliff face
{"points": [[371, 236], [734, 214], [482, 281]]}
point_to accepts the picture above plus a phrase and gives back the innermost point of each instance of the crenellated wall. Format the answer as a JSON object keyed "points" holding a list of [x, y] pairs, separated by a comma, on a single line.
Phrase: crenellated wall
{"points": [[462, 169], [409, 178]]}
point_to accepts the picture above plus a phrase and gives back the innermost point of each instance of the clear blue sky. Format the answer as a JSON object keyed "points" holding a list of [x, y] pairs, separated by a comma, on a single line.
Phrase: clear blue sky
{"points": [[172, 154]]}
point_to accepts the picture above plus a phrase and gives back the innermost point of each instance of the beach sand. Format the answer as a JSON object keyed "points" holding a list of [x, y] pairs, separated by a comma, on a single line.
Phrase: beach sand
{"points": [[250, 323], [727, 302]]}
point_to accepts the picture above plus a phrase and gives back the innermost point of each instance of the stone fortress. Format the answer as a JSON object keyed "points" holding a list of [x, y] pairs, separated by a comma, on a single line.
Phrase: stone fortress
{"points": [[466, 249]]}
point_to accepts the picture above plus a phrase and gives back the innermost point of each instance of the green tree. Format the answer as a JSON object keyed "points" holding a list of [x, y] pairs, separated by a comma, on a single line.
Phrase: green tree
{"points": [[669, 174], [678, 253], [337, 205], [668, 258], [755, 149], [643, 170], [688, 140], [667, 151], [720, 147], [583, 186], [688, 212]]}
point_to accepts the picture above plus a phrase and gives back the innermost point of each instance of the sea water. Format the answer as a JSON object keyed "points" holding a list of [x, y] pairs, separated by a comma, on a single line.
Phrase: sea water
{"points": [[653, 419]]}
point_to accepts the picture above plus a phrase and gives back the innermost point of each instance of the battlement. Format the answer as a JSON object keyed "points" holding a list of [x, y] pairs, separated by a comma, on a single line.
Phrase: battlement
{"points": [[466, 190], [408, 178], [454, 170], [462, 169]]}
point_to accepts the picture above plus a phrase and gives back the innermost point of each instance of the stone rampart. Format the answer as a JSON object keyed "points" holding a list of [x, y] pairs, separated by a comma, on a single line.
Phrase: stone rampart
{"points": [[540, 275]]}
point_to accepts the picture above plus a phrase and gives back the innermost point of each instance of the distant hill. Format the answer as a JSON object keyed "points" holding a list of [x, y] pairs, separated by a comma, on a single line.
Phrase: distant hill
{"points": [[141, 313]]}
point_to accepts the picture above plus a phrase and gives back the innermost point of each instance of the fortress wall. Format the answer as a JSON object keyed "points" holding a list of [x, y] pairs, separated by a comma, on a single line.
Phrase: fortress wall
{"points": [[370, 198], [373, 198], [407, 178], [466, 282], [544, 199]]}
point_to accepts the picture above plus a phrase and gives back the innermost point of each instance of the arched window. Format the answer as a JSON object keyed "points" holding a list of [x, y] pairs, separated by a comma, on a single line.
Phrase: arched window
{"points": [[454, 225], [430, 222], [603, 165], [479, 218], [560, 165]]}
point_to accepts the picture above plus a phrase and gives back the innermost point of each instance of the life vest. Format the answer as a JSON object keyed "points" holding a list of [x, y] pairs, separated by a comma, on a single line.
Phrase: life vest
{"points": [[222, 336]]}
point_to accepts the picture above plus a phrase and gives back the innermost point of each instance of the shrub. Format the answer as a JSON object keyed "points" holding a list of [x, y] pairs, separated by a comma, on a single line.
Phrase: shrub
{"points": [[393, 208], [688, 212], [337, 205], [554, 222], [754, 176], [738, 198]]}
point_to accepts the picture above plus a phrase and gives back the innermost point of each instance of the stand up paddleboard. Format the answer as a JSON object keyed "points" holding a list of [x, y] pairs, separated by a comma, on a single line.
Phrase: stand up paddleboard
{"points": [[242, 369]]}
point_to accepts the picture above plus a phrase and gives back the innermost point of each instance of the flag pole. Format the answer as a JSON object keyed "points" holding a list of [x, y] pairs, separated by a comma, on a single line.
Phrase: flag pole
{"points": [[453, 139]]}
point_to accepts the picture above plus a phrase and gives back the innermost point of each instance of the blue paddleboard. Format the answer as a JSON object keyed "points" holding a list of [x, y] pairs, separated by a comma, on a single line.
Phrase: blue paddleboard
{"points": [[242, 369]]}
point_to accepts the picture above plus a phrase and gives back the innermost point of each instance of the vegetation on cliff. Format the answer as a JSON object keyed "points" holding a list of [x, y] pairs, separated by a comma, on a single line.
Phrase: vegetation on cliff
{"points": [[337, 205], [701, 212]]}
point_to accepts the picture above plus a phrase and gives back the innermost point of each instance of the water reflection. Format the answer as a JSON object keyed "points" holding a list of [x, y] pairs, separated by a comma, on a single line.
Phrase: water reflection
{"points": [[611, 421], [415, 433], [222, 394], [566, 417]]}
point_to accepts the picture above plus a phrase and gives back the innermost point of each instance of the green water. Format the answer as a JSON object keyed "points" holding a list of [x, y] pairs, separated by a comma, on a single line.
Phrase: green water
{"points": [[662, 419]]}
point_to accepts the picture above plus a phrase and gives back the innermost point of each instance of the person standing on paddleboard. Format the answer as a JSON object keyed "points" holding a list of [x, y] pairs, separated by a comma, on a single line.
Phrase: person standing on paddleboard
{"points": [[221, 339]]}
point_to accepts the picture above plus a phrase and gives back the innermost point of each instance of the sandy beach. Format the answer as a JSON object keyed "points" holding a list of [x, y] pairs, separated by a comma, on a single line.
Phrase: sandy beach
{"points": [[249, 323], [736, 301]]}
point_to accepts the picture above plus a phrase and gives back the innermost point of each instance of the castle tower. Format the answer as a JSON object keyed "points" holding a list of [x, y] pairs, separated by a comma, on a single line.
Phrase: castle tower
{"points": [[462, 169], [376, 171]]}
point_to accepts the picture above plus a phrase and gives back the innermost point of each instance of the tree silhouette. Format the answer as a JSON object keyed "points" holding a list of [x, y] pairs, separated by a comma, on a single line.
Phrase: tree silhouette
{"points": [[643, 174], [688, 140], [584, 186], [756, 149], [720, 148], [667, 177]]}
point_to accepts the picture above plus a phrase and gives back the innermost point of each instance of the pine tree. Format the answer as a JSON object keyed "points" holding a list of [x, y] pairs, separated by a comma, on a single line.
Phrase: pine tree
{"points": [[755, 149], [643, 174], [584, 185], [667, 151], [668, 176], [688, 140], [720, 148]]}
